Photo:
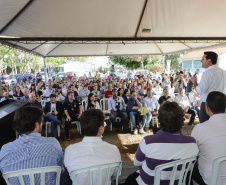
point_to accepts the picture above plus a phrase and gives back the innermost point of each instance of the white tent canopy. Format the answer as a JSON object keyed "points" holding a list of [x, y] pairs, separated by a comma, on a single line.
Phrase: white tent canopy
{"points": [[106, 27]]}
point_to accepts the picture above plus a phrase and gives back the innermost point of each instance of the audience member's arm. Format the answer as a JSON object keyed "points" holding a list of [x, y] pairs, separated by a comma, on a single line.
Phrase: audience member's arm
{"points": [[140, 153]]}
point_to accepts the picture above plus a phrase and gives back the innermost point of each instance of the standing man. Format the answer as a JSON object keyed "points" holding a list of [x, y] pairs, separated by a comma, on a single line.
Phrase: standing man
{"points": [[153, 106], [73, 111], [179, 82], [214, 79], [39, 77], [53, 113], [210, 137], [117, 108]]}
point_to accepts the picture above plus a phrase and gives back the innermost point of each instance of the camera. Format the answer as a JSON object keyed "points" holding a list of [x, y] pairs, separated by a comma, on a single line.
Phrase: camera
{"points": [[117, 102]]}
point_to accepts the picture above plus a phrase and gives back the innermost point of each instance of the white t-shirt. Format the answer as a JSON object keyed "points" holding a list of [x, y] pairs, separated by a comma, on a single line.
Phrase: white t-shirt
{"points": [[211, 139], [91, 151]]}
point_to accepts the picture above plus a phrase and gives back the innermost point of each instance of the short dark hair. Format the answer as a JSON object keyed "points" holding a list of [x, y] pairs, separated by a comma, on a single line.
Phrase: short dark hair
{"points": [[52, 96], [70, 92], [216, 101], [91, 120], [171, 117], [181, 72], [132, 92], [211, 55], [25, 119]]}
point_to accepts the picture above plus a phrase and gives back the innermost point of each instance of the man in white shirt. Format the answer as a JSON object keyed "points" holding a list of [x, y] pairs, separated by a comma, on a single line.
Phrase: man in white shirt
{"points": [[214, 79], [184, 103], [117, 108], [91, 151], [211, 139], [123, 76], [152, 104], [48, 91]]}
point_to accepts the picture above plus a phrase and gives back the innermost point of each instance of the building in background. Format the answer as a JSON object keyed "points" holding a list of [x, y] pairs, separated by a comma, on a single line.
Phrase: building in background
{"points": [[76, 67], [192, 60]]}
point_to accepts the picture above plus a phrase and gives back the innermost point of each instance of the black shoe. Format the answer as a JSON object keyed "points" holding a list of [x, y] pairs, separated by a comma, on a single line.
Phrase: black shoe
{"points": [[67, 138]]}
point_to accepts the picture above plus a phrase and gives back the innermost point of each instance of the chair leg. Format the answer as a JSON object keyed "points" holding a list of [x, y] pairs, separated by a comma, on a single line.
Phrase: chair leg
{"points": [[110, 126], [58, 129], [131, 125]]}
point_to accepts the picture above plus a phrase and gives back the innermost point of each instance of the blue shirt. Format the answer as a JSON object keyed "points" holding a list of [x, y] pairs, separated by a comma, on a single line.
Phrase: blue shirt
{"points": [[132, 103], [31, 151]]}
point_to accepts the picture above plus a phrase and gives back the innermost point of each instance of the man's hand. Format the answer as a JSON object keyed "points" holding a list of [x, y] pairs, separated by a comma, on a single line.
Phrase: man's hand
{"points": [[194, 80], [68, 118], [186, 110], [55, 112], [114, 113], [154, 112], [79, 115]]}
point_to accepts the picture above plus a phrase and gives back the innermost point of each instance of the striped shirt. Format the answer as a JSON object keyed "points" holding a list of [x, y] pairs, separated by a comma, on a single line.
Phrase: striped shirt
{"points": [[31, 151], [162, 148]]}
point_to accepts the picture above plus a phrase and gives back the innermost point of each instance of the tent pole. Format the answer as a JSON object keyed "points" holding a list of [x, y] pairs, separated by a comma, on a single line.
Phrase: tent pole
{"points": [[45, 72], [163, 63], [0, 77]]}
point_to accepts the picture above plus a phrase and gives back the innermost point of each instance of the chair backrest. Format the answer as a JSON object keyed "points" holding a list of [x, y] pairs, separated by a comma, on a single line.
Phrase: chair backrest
{"points": [[215, 169], [102, 173], [84, 102], [180, 169], [43, 103], [31, 174], [104, 104]]}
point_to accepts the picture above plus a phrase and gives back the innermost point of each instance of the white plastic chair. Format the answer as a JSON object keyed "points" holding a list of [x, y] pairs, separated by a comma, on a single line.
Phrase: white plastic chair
{"points": [[31, 172], [154, 120], [104, 106], [84, 102], [43, 103], [78, 125], [186, 165], [98, 172], [48, 126], [215, 169]]}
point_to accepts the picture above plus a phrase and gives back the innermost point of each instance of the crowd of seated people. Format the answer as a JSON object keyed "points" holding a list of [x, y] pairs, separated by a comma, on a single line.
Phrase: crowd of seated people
{"points": [[150, 89], [31, 150], [135, 98]]}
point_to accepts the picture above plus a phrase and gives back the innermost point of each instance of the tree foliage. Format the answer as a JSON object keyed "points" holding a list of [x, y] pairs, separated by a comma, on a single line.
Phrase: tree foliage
{"points": [[150, 62], [16, 61]]}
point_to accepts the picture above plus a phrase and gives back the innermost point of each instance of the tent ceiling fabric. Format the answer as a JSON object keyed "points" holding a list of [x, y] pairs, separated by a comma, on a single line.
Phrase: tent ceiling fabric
{"points": [[106, 27]]}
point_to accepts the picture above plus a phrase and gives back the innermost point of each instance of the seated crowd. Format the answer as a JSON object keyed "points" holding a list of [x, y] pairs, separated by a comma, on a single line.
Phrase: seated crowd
{"points": [[135, 99], [31, 150], [126, 95]]}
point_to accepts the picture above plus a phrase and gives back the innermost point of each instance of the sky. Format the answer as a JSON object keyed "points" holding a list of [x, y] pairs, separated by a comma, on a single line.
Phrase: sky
{"points": [[98, 61]]}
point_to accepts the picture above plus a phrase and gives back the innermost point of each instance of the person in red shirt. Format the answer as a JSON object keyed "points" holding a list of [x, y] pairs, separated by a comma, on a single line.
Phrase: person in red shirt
{"points": [[108, 93], [144, 86], [69, 76]]}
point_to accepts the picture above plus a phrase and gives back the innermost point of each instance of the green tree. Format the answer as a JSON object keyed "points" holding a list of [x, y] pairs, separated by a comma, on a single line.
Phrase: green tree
{"points": [[150, 62]]}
